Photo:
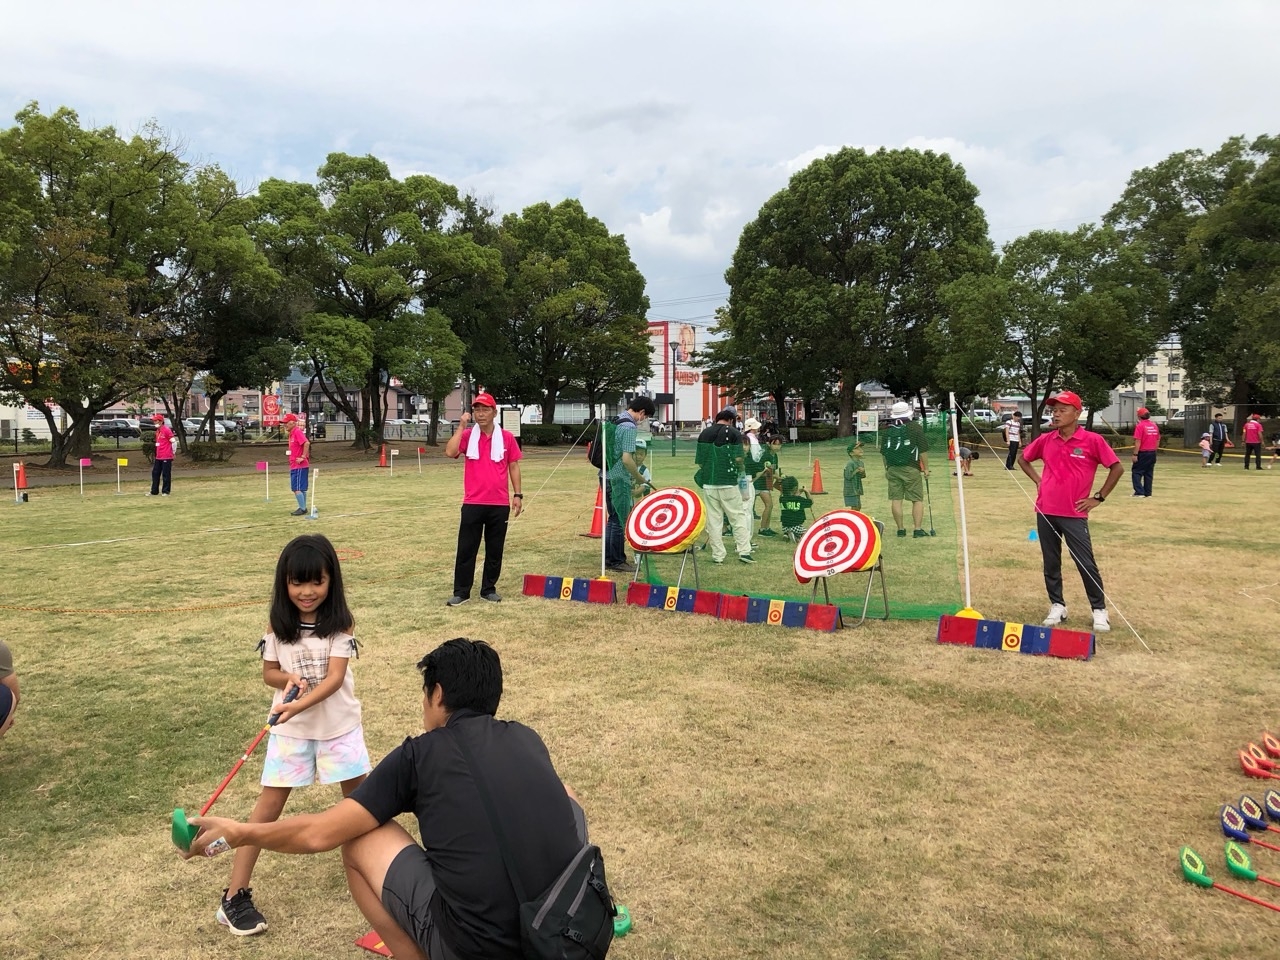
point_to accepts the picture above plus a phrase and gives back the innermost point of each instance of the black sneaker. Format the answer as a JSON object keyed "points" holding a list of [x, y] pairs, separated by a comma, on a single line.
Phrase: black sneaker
{"points": [[298, 513], [456, 601], [491, 596], [239, 915], [902, 533], [768, 533], [746, 558], [919, 533]]}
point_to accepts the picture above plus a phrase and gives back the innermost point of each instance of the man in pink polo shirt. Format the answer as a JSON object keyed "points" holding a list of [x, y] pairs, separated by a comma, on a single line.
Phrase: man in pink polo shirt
{"points": [[492, 460], [162, 465], [1146, 442], [299, 463], [1071, 456], [1252, 433]]}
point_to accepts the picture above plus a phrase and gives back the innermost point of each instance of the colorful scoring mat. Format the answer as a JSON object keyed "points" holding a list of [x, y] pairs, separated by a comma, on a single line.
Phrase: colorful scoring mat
{"points": [[838, 542], [666, 521]]}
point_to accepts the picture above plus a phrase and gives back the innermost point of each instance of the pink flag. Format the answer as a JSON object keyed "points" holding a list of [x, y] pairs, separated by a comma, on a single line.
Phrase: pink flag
{"points": [[422, 449], [86, 461], [260, 465]]}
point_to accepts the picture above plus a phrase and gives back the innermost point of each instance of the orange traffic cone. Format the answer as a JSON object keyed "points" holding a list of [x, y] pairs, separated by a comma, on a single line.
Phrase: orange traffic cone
{"points": [[815, 488], [20, 483], [597, 517], [382, 458]]}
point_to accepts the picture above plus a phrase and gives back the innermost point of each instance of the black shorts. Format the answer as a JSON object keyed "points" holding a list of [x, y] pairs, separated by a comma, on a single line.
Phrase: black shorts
{"points": [[409, 887]]}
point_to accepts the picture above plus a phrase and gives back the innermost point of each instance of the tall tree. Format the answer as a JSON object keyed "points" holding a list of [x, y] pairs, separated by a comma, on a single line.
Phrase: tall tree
{"points": [[430, 361], [1061, 310], [368, 251], [103, 241], [574, 299], [864, 242], [1163, 207]]}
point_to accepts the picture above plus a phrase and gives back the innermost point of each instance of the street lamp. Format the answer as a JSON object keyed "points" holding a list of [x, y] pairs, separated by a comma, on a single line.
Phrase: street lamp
{"points": [[675, 353]]}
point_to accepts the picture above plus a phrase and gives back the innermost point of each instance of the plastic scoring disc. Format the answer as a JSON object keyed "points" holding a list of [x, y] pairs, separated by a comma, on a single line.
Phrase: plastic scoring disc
{"points": [[838, 542], [666, 521]]}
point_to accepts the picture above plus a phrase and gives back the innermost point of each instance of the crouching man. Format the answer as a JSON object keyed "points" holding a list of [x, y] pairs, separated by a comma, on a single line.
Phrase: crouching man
{"points": [[449, 899]]}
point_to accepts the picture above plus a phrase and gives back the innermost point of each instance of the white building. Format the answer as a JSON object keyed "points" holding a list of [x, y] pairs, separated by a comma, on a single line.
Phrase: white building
{"points": [[1162, 379]]}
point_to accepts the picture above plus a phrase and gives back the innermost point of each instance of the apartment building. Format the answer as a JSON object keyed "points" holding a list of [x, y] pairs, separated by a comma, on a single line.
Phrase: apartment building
{"points": [[1162, 379]]}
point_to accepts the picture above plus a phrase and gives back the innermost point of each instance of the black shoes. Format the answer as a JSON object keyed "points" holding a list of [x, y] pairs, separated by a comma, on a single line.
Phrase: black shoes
{"points": [[239, 915], [456, 601], [919, 533], [298, 513]]}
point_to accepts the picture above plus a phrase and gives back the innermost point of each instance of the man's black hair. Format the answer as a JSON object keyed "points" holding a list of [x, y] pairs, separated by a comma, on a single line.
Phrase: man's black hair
{"points": [[644, 404], [469, 673]]}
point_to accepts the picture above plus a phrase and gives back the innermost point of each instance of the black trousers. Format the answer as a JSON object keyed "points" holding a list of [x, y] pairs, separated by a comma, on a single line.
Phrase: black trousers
{"points": [[1253, 450], [163, 470], [1144, 469], [480, 521], [1012, 458], [1075, 531], [1215, 450]]}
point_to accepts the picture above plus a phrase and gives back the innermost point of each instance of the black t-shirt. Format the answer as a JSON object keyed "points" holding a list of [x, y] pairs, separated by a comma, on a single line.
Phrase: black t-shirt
{"points": [[426, 775]]}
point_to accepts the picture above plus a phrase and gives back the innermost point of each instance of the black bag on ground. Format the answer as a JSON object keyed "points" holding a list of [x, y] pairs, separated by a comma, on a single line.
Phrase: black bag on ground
{"points": [[573, 918]]}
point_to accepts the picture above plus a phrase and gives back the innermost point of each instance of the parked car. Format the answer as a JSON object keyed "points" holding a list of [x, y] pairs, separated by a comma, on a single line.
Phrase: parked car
{"points": [[113, 428], [196, 427], [984, 417]]}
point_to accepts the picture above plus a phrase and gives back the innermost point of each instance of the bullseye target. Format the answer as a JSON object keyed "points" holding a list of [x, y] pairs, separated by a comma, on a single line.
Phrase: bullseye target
{"points": [[838, 542], [666, 521]]}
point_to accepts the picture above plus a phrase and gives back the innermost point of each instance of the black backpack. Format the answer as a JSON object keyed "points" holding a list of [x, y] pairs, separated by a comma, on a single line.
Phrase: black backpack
{"points": [[595, 449], [573, 918]]}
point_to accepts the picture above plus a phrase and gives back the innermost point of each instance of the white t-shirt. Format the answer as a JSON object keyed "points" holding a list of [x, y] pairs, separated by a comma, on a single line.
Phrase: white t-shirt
{"points": [[1013, 430], [309, 657]]}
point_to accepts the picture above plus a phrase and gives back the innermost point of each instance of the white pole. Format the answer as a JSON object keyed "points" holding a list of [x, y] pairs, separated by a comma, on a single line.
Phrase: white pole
{"points": [[17, 494], [419, 461], [604, 495], [268, 472], [82, 477], [315, 482], [117, 476], [392, 472], [964, 528]]}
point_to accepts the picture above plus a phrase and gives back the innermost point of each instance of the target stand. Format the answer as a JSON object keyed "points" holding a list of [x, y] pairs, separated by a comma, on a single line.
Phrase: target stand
{"points": [[842, 541], [665, 523]]}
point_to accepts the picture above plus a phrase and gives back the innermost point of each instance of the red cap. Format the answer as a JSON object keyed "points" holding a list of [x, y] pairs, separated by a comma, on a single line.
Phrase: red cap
{"points": [[158, 417], [1143, 411], [484, 400], [1255, 416], [290, 418], [1067, 399]]}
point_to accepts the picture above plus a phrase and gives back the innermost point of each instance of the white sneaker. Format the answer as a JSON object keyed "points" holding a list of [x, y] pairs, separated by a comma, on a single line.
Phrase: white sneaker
{"points": [[1100, 622], [1057, 613]]}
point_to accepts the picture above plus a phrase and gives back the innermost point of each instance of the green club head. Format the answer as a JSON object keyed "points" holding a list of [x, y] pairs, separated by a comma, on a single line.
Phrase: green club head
{"points": [[182, 832], [621, 921], [1238, 862], [1193, 868]]}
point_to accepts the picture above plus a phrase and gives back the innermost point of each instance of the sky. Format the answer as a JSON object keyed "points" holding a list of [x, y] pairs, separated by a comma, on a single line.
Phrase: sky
{"points": [[670, 122]]}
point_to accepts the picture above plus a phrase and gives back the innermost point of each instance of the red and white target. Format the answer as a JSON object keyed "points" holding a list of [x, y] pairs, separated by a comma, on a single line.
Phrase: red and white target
{"points": [[838, 542], [666, 521]]}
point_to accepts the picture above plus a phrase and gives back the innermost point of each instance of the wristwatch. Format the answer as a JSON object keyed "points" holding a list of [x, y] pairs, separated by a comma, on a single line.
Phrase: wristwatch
{"points": [[518, 496], [1100, 498]]}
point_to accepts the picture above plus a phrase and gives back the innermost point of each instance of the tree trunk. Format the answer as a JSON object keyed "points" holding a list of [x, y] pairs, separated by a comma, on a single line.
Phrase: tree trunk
{"points": [[780, 401], [848, 389], [435, 422], [1240, 396], [549, 399]]}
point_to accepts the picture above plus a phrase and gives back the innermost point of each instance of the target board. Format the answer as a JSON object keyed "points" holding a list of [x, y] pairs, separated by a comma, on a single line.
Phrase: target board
{"points": [[838, 542], [666, 521]]}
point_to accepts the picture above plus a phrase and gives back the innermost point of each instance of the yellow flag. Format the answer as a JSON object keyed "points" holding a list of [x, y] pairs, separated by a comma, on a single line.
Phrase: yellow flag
{"points": [[122, 462]]}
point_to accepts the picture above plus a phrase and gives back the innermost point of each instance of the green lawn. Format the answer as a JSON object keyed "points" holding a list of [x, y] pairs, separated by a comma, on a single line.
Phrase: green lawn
{"points": [[758, 791]]}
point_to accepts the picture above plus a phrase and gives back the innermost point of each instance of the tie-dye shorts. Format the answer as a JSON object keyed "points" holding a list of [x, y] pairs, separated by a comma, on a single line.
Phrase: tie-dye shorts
{"points": [[297, 762]]}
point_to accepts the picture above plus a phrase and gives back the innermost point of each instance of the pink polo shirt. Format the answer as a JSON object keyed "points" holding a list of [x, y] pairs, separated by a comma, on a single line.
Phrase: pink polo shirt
{"points": [[297, 443], [483, 480], [1146, 436], [164, 443], [1252, 431], [1069, 468]]}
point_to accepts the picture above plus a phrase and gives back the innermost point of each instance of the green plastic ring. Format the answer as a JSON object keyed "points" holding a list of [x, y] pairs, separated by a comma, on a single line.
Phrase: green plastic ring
{"points": [[621, 921]]}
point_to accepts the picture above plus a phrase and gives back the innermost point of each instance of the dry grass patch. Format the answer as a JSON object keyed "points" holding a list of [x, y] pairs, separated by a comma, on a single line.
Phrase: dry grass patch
{"points": [[759, 792]]}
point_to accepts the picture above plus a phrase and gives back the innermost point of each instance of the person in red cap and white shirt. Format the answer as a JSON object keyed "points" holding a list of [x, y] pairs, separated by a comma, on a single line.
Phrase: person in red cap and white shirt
{"points": [[299, 463], [1252, 434], [492, 460], [1146, 442], [1071, 456], [162, 465]]}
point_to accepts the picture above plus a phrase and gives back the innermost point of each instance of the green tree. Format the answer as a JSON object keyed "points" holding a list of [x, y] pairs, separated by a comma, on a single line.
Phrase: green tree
{"points": [[368, 253], [1165, 208], [854, 252], [431, 361], [104, 242], [575, 305], [1061, 310]]}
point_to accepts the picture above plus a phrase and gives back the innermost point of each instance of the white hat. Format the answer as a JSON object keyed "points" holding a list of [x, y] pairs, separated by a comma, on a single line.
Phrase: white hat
{"points": [[751, 424], [642, 443], [900, 411]]}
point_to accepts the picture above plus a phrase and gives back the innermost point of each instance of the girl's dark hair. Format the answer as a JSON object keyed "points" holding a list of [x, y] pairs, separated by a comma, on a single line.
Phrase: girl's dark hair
{"points": [[469, 673], [790, 485], [306, 559]]}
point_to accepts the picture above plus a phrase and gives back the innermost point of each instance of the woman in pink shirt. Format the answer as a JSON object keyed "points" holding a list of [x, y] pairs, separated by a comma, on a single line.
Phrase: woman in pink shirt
{"points": [[1252, 433], [1070, 456]]}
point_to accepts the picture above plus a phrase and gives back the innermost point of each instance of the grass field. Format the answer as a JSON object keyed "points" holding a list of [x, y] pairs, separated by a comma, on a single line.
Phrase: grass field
{"points": [[758, 792]]}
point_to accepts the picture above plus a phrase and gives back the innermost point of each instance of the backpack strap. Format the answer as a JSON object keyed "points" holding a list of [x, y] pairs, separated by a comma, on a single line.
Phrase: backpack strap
{"points": [[487, 802]]}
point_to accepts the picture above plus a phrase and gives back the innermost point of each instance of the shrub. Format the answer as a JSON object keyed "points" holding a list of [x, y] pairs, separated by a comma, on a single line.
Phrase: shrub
{"points": [[541, 434], [815, 434], [203, 451]]}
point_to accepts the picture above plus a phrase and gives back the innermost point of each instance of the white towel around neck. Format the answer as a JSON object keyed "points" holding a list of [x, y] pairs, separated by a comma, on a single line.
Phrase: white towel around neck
{"points": [[755, 447], [496, 448]]}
